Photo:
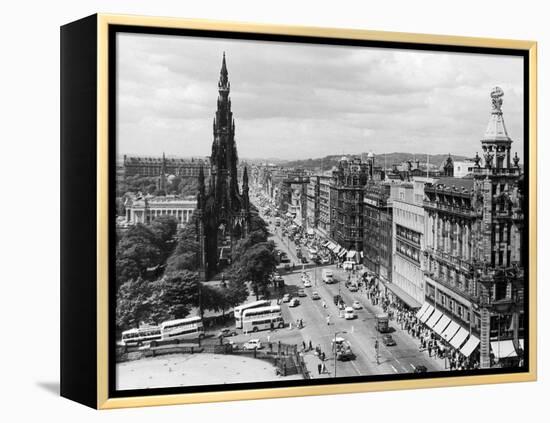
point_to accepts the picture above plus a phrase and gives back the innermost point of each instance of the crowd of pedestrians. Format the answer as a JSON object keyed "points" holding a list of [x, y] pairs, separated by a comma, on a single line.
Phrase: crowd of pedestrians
{"points": [[428, 340]]}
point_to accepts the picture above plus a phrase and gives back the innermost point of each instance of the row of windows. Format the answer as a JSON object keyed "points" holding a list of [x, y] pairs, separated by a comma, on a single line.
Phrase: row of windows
{"points": [[408, 234], [409, 216], [407, 250]]}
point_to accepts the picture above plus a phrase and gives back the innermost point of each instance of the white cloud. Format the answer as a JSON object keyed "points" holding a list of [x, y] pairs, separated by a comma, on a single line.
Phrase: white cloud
{"points": [[299, 100]]}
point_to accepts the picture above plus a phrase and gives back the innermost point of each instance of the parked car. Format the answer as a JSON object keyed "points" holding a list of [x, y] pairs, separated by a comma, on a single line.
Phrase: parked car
{"points": [[295, 302], [357, 305], [304, 260], [302, 293], [253, 344], [324, 260], [226, 332], [315, 296], [349, 313], [388, 340], [286, 298]]}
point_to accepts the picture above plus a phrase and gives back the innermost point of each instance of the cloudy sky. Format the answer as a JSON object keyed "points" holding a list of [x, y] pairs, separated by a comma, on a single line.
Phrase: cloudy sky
{"points": [[298, 100]]}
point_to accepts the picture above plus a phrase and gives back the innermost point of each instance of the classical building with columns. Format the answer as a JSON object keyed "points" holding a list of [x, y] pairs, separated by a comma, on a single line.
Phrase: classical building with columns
{"points": [[146, 209], [473, 249]]}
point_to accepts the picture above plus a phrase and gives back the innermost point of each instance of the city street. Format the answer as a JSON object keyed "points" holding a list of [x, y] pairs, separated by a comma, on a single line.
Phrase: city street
{"points": [[360, 332]]}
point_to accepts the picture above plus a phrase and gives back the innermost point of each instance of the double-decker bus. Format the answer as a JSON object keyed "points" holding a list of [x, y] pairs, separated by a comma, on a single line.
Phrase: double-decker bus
{"points": [[255, 319], [143, 335], [239, 310], [188, 328]]}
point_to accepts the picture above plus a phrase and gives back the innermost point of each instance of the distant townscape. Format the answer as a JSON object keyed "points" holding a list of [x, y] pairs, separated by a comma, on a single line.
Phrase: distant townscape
{"points": [[348, 265]]}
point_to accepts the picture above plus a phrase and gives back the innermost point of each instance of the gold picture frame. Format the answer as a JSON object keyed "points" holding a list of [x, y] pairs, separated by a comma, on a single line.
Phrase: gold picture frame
{"points": [[100, 359]]}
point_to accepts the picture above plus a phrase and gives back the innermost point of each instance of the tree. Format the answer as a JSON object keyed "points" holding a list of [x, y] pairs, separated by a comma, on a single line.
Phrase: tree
{"points": [[243, 245], [256, 264], [186, 252], [133, 305], [174, 295], [164, 229], [137, 250]]}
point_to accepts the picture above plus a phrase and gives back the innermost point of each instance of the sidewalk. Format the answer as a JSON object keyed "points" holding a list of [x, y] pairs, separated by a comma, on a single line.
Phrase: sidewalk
{"points": [[312, 361]]}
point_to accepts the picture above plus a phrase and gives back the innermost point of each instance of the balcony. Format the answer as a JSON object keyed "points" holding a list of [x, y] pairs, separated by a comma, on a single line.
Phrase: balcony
{"points": [[449, 259], [448, 208]]}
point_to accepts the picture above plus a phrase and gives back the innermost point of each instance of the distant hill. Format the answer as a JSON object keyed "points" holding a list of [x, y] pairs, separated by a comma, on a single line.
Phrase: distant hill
{"points": [[390, 158]]}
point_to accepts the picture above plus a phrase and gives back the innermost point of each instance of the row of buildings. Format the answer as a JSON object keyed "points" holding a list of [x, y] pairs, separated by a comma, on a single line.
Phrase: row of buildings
{"points": [[452, 239]]}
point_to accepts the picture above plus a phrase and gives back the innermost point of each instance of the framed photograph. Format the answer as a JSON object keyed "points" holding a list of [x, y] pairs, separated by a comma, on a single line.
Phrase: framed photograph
{"points": [[255, 211]]}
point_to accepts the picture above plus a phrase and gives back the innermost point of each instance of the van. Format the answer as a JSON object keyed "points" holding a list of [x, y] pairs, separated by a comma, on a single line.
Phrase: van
{"points": [[328, 276]]}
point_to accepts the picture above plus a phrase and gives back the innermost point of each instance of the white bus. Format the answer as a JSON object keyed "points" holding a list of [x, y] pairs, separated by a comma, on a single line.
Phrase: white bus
{"points": [[255, 319], [239, 311], [143, 335], [190, 327]]}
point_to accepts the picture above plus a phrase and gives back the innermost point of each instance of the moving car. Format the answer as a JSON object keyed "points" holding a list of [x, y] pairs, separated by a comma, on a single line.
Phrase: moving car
{"points": [[388, 340], [302, 293], [305, 276], [315, 296], [307, 284], [353, 287], [349, 313], [226, 332], [303, 260], [357, 305], [295, 302], [253, 344], [286, 298]]}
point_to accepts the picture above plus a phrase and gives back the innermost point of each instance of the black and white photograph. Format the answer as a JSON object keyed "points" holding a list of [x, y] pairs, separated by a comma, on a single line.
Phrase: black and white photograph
{"points": [[292, 212]]}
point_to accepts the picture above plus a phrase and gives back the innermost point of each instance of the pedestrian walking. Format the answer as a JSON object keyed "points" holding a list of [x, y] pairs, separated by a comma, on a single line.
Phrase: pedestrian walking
{"points": [[319, 368], [328, 320], [323, 368], [310, 345], [429, 350], [304, 345]]}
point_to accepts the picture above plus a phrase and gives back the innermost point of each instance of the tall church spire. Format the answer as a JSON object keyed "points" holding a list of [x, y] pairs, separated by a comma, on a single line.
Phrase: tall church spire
{"points": [[224, 80]]}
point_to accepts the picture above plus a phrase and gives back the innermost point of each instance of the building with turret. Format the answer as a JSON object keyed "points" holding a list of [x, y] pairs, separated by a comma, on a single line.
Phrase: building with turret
{"points": [[473, 242], [223, 208]]}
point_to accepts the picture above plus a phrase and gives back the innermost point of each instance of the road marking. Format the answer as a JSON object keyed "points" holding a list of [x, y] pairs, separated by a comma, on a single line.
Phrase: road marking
{"points": [[412, 365], [397, 361], [394, 369]]}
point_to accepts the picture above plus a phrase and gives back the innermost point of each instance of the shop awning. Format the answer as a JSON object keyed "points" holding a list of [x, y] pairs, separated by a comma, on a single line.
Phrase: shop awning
{"points": [[451, 331], [422, 310], [459, 338], [341, 253], [427, 314], [350, 254], [402, 295], [326, 244], [442, 324], [504, 349], [470, 346], [434, 318]]}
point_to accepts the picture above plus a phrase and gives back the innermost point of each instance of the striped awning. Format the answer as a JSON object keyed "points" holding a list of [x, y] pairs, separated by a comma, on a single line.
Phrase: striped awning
{"points": [[459, 338], [470, 346], [434, 318]]}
